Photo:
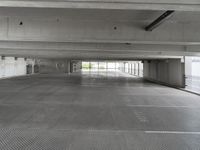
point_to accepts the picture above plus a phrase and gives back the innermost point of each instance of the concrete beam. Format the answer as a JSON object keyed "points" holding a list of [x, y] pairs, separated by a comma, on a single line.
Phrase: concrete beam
{"points": [[97, 31], [159, 20], [90, 38], [89, 54], [96, 47], [180, 5]]}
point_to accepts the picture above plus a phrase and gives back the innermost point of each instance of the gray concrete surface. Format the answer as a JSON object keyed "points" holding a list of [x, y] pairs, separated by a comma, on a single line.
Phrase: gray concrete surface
{"points": [[96, 111], [96, 33], [170, 72], [180, 5]]}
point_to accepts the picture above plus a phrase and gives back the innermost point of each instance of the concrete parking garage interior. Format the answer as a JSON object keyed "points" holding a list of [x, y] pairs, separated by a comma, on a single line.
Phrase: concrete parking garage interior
{"points": [[99, 75]]}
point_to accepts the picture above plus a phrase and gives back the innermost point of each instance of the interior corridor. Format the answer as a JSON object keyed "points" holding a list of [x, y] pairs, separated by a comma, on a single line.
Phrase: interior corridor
{"points": [[96, 111]]}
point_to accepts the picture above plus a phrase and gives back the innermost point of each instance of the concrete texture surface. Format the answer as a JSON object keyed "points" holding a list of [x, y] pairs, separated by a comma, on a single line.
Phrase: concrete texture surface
{"points": [[170, 72], [180, 5], [96, 111], [97, 33]]}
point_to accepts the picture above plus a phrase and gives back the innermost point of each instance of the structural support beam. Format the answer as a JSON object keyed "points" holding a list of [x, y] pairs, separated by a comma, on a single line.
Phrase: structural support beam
{"points": [[179, 5], [159, 20]]}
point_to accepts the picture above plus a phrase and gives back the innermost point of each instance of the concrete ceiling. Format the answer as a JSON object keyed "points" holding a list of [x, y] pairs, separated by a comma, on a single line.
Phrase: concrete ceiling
{"points": [[45, 29], [180, 5], [97, 14]]}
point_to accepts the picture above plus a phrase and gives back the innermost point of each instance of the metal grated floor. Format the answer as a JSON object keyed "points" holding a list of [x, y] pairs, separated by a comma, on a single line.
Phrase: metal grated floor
{"points": [[37, 139]]}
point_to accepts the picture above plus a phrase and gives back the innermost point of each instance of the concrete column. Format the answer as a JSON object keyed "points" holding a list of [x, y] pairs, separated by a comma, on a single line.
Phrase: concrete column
{"points": [[106, 66], [131, 68], [1, 67], [33, 64], [98, 65], [140, 69], [124, 65], [188, 66], [90, 65], [135, 69]]}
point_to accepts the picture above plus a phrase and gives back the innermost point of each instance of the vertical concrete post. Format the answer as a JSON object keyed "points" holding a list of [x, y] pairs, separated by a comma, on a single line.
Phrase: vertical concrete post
{"points": [[124, 67], [183, 74], [90, 66], [138, 69], [135, 68], [33, 64], [106, 66], [188, 66], [71, 66]]}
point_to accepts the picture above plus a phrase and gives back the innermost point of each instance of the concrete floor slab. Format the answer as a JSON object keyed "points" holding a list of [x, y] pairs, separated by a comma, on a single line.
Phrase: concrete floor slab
{"points": [[95, 110]]}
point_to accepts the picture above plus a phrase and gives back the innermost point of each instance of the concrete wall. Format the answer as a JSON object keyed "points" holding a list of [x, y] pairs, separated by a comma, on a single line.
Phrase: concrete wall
{"points": [[188, 66], [53, 65], [170, 72]]}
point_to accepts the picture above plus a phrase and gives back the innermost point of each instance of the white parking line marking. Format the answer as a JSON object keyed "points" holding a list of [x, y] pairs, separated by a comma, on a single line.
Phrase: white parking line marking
{"points": [[172, 132]]}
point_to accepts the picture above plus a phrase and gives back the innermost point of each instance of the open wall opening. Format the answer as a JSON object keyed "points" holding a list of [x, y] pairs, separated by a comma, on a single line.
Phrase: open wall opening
{"points": [[13, 66], [192, 73], [99, 66], [134, 68]]}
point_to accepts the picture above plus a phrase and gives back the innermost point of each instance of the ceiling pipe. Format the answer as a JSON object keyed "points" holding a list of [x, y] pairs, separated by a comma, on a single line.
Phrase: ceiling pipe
{"points": [[159, 20]]}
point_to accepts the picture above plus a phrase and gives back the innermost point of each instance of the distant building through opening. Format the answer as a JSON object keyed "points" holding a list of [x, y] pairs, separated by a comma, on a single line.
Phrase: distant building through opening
{"points": [[129, 67]]}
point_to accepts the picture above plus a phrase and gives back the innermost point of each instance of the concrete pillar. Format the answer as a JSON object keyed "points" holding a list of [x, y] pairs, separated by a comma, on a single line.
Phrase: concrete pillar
{"points": [[140, 69], [135, 69], [131, 68], [2, 66], [106, 66], [188, 66], [90, 65]]}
